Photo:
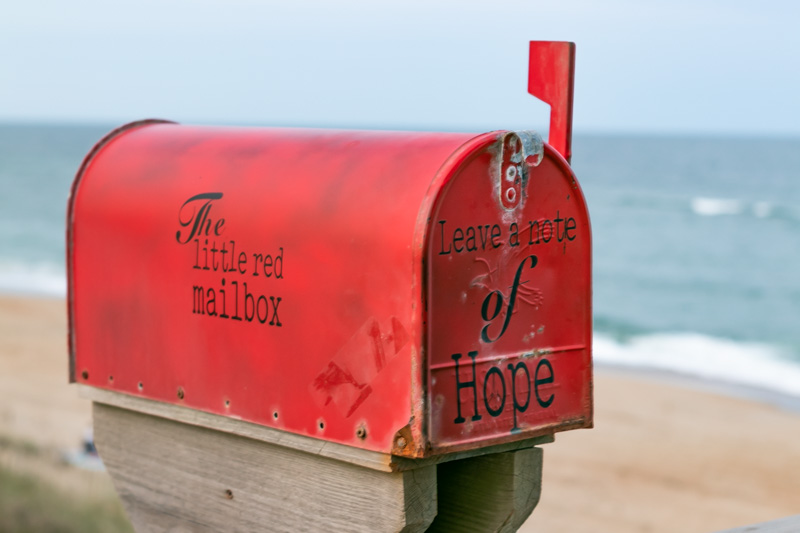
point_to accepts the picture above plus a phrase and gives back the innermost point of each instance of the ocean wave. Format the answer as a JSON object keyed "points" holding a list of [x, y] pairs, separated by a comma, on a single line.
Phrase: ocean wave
{"points": [[37, 279], [706, 206], [762, 209], [711, 207], [758, 365]]}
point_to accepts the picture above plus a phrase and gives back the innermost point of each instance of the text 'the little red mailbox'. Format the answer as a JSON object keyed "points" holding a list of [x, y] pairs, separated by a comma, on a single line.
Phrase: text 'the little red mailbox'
{"points": [[407, 293]]}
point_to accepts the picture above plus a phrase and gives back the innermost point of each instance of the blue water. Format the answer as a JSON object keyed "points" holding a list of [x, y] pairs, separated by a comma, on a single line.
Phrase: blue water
{"points": [[37, 164], [696, 244]]}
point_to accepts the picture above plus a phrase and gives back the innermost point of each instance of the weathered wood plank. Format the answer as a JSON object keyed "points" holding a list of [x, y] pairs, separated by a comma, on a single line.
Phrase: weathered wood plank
{"points": [[790, 524], [374, 460], [340, 452], [174, 477], [490, 493]]}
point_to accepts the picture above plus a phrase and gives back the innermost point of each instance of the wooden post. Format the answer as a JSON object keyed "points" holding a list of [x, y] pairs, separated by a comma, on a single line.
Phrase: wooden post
{"points": [[176, 469], [175, 477], [489, 493]]}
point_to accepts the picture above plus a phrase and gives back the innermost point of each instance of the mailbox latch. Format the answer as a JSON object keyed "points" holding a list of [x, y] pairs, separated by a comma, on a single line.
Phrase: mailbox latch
{"points": [[521, 151]]}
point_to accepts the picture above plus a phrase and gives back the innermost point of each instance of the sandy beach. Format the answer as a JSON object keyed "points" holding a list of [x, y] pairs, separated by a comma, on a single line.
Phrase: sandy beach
{"points": [[663, 457]]}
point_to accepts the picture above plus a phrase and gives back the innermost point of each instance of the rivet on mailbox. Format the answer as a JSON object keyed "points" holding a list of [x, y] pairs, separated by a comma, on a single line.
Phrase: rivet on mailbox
{"points": [[434, 288]]}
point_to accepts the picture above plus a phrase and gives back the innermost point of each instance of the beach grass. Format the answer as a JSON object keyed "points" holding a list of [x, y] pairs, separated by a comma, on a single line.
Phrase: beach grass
{"points": [[31, 501], [29, 504]]}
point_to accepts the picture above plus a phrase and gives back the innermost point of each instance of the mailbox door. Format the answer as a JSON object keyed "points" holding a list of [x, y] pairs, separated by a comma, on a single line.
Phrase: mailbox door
{"points": [[509, 297]]}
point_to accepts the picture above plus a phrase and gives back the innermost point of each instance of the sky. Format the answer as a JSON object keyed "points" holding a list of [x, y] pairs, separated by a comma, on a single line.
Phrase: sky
{"points": [[667, 67]]}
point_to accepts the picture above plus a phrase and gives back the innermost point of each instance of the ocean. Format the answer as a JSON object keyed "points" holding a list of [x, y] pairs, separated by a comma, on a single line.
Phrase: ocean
{"points": [[696, 245]]}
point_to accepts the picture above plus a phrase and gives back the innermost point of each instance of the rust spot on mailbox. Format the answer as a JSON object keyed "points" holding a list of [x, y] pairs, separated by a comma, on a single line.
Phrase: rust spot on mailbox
{"points": [[363, 279]]}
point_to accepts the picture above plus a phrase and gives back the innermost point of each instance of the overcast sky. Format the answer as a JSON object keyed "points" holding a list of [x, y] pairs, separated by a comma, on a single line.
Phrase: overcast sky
{"points": [[673, 66]]}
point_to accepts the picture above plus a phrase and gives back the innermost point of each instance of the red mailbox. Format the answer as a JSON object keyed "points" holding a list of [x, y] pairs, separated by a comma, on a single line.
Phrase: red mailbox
{"points": [[407, 293]]}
